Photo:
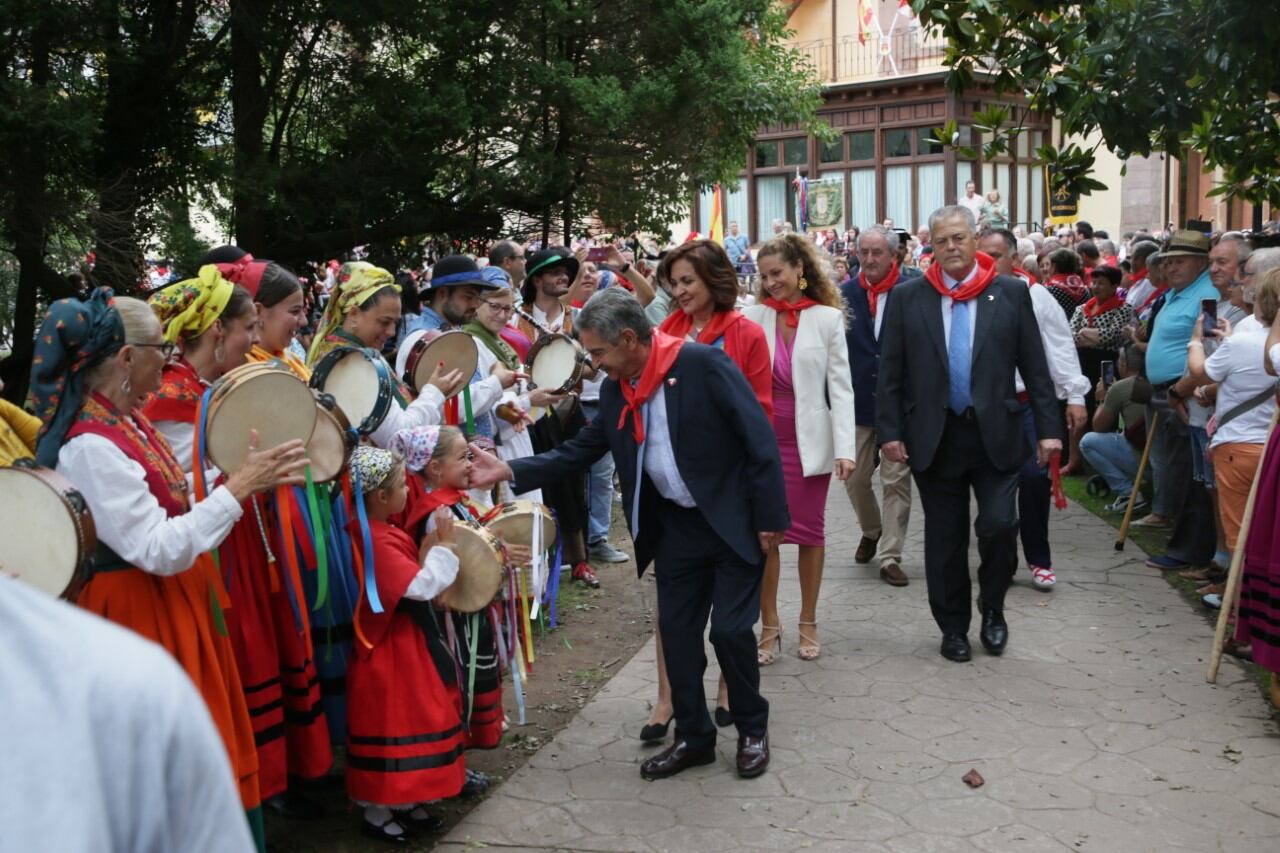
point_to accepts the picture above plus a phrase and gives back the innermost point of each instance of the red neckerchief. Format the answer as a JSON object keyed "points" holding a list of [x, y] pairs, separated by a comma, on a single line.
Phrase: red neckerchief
{"points": [[1026, 275], [679, 324], [663, 349], [433, 499], [1138, 275], [965, 292], [1093, 310], [1155, 294], [1072, 284], [883, 286], [791, 309]]}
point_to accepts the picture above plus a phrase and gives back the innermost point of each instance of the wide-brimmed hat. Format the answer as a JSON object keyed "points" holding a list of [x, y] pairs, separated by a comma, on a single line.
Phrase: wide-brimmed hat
{"points": [[457, 270], [1193, 244], [543, 260]]}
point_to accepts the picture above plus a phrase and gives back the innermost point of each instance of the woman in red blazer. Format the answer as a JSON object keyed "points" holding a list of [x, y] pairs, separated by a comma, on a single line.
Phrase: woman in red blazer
{"points": [[705, 290]]}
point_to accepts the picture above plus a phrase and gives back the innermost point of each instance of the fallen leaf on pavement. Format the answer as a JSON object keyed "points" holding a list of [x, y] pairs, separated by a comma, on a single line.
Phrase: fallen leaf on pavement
{"points": [[974, 779]]}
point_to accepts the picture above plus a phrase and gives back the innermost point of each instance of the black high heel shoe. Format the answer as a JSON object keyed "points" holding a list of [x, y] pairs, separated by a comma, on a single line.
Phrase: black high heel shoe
{"points": [[655, 732]]}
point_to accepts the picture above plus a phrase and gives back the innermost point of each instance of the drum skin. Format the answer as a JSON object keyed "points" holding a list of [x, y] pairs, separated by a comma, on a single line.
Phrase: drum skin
{"points": [[360, 382], [481, 570], [513, 523], [258, 397], [455, 349], [38, 499], [555, 362], [332, 441]]}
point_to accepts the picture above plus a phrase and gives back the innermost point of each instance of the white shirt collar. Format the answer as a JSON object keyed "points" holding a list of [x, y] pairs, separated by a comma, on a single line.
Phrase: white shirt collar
{"points": [[952, 283]]}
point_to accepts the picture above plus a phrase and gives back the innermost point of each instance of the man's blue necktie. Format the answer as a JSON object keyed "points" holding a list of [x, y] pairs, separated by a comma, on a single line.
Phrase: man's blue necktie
{"points": [[959, 356]]}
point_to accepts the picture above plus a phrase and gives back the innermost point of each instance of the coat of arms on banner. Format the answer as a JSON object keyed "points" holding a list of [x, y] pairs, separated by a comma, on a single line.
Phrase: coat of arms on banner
{"points": [[826, 203]]}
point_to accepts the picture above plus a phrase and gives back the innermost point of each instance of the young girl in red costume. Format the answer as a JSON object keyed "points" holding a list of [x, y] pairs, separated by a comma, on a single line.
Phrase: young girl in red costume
{"points": [[442, 462], [405, 738]]}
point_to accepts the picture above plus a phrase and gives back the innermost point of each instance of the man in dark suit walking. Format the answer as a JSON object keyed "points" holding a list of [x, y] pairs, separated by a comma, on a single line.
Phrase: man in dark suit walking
{"points": [[947, 405], [705, 500]]}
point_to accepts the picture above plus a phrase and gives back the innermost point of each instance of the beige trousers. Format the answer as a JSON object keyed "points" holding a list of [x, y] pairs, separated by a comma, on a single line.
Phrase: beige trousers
{"points": [[895, 486]]}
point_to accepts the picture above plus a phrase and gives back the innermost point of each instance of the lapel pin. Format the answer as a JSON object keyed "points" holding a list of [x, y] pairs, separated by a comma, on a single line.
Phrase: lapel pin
{"points": [[991, 297], [671, 383]]}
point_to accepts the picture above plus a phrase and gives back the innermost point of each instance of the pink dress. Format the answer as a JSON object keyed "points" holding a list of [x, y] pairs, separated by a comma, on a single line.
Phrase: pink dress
{"points": [[806, 496]]}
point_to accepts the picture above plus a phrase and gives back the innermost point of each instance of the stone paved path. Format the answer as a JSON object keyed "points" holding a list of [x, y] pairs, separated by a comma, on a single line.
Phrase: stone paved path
{"points": [[1096, 731]]}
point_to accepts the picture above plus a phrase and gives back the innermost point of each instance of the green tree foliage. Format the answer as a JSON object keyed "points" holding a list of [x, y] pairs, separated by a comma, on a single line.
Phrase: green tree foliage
{"points": [[1146, 74], [317, 125]]}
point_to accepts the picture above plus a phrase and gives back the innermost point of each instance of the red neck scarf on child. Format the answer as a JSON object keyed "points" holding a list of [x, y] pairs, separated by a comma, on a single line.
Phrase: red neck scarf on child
{"points": [[663, 349], [970, 289], [791, 309], [883, 286]]}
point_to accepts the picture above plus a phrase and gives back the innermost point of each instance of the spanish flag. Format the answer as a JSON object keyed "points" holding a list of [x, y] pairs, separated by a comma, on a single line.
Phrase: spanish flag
{"points": [[716, 231]]}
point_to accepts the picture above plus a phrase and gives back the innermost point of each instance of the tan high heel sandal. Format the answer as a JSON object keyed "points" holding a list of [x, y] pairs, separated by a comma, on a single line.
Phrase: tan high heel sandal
{"points": [[810, 648], [768, 648]]}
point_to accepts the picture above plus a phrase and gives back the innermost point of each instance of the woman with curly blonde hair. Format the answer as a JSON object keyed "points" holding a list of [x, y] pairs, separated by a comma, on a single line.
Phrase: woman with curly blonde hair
{"points": [[803, 316]]}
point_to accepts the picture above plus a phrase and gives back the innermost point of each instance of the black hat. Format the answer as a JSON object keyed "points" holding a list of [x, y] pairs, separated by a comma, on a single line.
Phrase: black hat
{"points": [[543, 260], [457, 270]]}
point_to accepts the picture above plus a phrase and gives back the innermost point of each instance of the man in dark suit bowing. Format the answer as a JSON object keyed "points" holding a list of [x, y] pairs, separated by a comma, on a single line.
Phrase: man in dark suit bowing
{"points": [[947, 405], [705, 500]]}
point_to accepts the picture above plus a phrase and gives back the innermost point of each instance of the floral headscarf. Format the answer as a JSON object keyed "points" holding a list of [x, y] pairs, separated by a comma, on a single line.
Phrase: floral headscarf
{"points": [[416, 445], [372, 466], [187, 309], [356, 282], [74, 337]]}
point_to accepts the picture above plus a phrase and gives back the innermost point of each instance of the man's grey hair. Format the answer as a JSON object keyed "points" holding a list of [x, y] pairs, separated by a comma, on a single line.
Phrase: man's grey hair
{"points": [[1037, 240], [1243, 249], [1107, 247], [1265, 259], [1143, 251], [890, 236], [953, 211], [612, 310]]}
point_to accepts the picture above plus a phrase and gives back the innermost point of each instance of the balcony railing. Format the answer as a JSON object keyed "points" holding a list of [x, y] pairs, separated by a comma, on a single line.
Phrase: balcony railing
{"points": [[898, 54]]}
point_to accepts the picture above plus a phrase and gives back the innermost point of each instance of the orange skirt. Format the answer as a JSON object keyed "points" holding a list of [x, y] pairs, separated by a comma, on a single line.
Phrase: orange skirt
{"points": [[176, 612]]}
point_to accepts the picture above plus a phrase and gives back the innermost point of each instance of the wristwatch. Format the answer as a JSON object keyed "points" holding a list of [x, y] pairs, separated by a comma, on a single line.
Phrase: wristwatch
{"points": [[625, 268]]}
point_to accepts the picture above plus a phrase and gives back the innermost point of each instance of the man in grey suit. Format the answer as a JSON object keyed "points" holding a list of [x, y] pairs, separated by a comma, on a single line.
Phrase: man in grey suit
{"points": [[947, 405]]}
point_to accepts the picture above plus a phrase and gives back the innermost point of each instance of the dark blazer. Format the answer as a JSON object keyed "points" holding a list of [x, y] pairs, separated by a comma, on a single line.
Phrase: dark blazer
{"points": [[864, 349], [725, 451], [912, 387]]}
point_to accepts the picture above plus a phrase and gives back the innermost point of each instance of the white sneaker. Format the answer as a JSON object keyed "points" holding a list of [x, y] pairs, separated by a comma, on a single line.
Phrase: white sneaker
{"points": [[1043, 577], [1121, 503]]}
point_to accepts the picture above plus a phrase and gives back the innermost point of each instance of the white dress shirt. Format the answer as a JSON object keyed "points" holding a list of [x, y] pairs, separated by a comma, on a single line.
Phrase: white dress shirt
{"points": [[1059, 349], [882, 305], [129, 519], [659, 455]]}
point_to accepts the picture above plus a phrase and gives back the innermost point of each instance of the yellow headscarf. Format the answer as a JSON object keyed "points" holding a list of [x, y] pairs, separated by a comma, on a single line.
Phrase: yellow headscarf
{"points": [[357, 281], [187, 309]]}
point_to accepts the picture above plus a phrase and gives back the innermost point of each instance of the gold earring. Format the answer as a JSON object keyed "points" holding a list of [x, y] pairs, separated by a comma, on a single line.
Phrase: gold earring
{"points": [[804, 283]]}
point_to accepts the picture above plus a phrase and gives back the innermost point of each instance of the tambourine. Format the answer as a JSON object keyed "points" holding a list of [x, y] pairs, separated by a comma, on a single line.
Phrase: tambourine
{"points": [[556, 362], [455, 349], [47, 537], [513, 522], [332, 442], [360, 381], [266, 397], [481, 569]]}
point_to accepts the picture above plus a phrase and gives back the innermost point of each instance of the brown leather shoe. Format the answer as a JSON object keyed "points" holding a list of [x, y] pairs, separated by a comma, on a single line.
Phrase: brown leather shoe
{"points": [[680, 756], [866, 549], [892, 574], [753, 755]]}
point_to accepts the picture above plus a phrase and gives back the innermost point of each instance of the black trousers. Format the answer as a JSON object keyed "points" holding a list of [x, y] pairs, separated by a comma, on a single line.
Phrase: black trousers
{"points": [[699, 575], [961, 464], [1034, 492]]}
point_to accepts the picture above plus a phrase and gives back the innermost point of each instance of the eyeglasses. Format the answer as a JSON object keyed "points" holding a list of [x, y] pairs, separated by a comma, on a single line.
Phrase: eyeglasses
{"points": [[500, 308], [166, 348]]}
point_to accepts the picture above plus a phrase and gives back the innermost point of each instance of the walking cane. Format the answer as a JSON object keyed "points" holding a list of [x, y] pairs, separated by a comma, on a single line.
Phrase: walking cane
{"points": [[1137, 481], [1234, 574]]}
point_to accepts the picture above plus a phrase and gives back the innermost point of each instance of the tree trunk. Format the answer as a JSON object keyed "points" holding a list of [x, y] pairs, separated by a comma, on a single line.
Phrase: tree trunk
{"points": [[249, 103]]}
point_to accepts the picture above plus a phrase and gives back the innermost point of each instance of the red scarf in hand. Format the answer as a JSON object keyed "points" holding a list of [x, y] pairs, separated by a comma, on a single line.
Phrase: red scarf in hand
{"points": [[969, 290], [1093, 310], [663, 349], [680, 324], [791, 309], [883, 286]]}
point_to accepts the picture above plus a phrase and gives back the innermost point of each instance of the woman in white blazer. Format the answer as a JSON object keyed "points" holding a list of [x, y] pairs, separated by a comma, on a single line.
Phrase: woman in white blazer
{"points": [[802, 314]]}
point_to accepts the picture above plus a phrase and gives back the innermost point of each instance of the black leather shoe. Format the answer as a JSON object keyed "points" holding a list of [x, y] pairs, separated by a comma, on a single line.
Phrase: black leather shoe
{"points": [[753, 755], [955, 647], [866, 549], [995, 633], [427, 823], [675, 759]]}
